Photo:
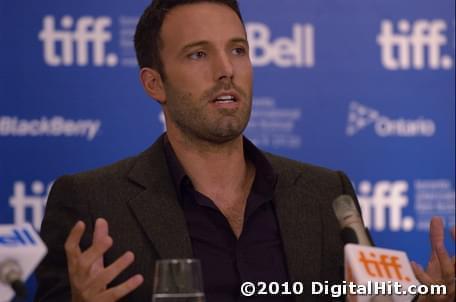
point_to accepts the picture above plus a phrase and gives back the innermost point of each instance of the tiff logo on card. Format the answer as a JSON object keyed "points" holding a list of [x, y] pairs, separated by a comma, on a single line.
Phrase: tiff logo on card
{"points": [[284, 52], [77, 41], [414, 45], [382, 265], [18, 237]]}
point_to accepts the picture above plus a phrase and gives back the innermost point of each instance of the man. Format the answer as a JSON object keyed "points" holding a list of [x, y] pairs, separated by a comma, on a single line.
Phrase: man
{"points": [[202, 190]]}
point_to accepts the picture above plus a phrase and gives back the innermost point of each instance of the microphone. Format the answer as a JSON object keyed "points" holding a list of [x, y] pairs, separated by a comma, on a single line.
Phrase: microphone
{"points": [[21, 250], [379, 274], [353, 230]]}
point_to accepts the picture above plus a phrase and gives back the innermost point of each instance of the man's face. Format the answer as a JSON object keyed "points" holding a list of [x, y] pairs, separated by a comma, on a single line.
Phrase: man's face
{"points": [[208, 72]]}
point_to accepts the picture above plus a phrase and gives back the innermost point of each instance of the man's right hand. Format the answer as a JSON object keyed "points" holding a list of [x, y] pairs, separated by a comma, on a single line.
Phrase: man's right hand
{"points": [[87, 274]]}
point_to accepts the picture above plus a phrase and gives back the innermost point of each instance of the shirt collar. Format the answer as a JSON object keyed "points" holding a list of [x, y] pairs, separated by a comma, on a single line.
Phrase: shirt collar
{"points": [[265, 176]]}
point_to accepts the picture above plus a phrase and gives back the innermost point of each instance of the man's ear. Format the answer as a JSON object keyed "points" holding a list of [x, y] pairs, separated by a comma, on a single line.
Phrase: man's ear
{"points": [[153, 84]]}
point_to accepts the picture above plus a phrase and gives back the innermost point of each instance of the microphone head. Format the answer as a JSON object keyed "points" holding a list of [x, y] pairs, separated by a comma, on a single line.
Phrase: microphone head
{"points": [[350, 218], [21, 249], [345, 210]]}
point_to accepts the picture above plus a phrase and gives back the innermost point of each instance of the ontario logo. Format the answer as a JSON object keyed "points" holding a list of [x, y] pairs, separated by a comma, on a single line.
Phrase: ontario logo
{"points": [[361, 117]]}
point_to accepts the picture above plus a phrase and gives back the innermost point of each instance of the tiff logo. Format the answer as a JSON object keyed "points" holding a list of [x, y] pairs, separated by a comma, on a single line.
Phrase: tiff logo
{"points": [[21, 202], [382, 203], [382, 266], [71, 44], [415, 45]]}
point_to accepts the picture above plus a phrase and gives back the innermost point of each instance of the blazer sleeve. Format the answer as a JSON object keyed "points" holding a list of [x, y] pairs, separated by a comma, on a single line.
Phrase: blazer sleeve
{"points": [[63, 210]]}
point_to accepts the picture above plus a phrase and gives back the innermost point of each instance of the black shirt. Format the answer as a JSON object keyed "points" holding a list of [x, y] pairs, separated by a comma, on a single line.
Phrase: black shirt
{"points": [[227, 261]]}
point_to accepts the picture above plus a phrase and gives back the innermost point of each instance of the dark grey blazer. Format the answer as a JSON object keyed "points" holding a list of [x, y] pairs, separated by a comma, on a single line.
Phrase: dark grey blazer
{"points": [[139, 201]]}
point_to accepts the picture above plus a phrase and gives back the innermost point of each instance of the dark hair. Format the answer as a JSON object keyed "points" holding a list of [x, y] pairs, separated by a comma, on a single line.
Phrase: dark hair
{"points": [[147, 36]]}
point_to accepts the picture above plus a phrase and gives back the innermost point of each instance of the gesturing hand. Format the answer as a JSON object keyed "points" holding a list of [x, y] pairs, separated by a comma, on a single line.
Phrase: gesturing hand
{"points": [[440, 269], [87, 274]]}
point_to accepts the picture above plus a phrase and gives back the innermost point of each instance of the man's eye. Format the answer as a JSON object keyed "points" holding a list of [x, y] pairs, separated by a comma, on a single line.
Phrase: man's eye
{"points": [[197, 55], [239, 51]]}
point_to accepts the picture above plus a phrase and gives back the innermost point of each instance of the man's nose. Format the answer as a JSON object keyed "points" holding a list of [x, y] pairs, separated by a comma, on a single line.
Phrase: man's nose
{"points": [[223, 67]]}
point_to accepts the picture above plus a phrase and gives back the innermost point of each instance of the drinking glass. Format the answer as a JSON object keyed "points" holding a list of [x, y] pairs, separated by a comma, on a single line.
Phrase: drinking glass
{"points": [[178, 280]]}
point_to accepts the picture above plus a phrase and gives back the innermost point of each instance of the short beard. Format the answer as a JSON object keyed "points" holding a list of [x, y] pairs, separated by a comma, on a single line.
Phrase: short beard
{"points": [[189, 115]]}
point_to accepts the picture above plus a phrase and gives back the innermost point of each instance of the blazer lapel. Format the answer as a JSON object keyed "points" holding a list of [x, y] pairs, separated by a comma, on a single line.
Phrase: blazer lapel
{"points": [[162, 219], [299, 220], [157, 208]]}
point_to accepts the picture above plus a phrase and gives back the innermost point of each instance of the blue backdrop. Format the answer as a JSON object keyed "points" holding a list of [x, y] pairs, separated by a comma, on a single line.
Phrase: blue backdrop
{"points": [[362, 86]]}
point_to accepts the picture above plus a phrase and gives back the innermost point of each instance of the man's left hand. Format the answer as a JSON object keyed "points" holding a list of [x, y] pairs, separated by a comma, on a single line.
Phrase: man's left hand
{"points": [[441, 268]]}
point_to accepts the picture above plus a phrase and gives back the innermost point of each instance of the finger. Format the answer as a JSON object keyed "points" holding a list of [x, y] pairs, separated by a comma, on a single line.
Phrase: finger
{"points": [[72, 249], [453, 260], [94, 253], [420, 274], [112, 271], [446, 264], [436, 232], [433, 267], [121, 290], [100, 232], [101, 229]]}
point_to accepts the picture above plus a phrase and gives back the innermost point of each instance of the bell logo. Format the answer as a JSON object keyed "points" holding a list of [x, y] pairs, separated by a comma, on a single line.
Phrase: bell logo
{"points": [[415, 46], [75, 44], [298, 51], [382, 199]]}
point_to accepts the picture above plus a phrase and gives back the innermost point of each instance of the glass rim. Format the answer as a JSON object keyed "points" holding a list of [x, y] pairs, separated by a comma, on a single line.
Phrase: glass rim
{"points": [[177, 261]]}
